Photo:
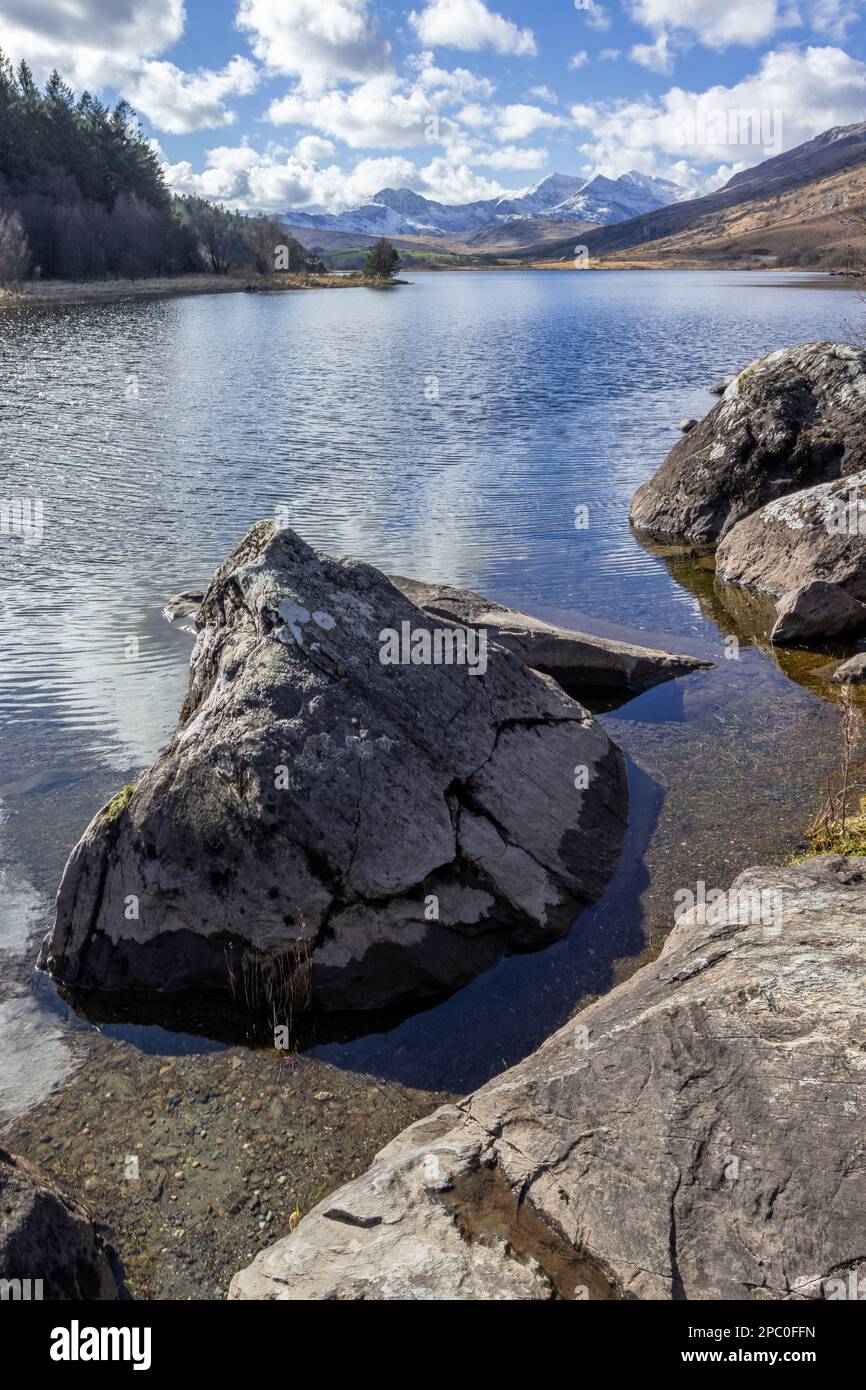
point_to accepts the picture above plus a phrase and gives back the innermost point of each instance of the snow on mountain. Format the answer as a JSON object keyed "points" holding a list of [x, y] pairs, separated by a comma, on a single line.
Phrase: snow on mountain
{"points": [[561, 197]]}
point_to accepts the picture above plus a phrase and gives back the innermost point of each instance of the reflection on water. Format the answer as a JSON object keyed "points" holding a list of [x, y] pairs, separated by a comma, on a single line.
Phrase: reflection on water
{"points": [[156, 433]]}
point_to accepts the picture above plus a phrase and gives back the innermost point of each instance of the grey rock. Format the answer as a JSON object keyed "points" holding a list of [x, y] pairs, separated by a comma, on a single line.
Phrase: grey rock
{"points": [[687, 425], [807, 535], [46, 1235], [719, 388], [316, 808], [579, 662], [852, 671], [792, 419], [814, 611], [183, 610], [695, 1134]]}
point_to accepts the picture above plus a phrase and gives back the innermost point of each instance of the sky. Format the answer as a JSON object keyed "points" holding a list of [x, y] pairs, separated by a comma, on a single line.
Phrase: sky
{"points": [[268, 105]]}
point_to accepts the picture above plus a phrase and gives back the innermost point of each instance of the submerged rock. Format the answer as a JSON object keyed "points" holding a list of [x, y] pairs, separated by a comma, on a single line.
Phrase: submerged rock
{"points": [[696, 1134], [324, 826], [792, 419], [814, 611], [852, 671], [47, 1236], [578, 661]]}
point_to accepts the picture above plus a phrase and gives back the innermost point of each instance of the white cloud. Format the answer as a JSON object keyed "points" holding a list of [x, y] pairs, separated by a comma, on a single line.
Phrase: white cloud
{"points": [[317, 41], [382, 112], [716, 24], [796, 94], [455, 183], [470, 25], [47, 31], [655, 56], [312, 148], [179, 102], [245, 178], [512, 157], [253, 181], [832, 17], [594, 13], [578, 60], [608, 55], [448, 85], [544, 94]]}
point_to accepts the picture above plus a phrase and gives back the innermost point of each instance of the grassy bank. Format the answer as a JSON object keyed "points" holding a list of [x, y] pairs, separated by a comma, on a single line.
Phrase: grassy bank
{"points": [[167, 287]]}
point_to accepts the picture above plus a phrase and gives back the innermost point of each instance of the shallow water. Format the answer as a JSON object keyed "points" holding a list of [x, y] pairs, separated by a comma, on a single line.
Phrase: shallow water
{"points": [[446, 429]]}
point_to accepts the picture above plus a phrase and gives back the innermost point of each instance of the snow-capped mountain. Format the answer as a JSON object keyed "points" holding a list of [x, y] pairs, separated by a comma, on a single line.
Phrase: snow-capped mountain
{"points": [[558, 197]]}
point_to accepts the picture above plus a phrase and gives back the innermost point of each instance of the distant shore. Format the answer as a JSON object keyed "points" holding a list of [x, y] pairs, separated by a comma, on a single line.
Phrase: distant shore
{"points": [[168, 287]]}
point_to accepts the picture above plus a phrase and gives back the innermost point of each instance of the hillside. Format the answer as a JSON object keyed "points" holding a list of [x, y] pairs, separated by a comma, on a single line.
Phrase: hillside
{"points": [[795, 210]]}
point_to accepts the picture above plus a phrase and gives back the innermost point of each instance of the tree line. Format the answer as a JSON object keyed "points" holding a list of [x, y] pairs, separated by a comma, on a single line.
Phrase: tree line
{"points": [[83, 196]]}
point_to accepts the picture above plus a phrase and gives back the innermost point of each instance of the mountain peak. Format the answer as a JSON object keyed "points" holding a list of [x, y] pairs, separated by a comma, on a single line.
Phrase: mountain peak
{"points": [[563, 197]]}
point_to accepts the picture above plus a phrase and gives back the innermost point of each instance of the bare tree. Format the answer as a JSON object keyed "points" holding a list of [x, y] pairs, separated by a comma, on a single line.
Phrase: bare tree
{"points": [[14, 249], [270, 248]]}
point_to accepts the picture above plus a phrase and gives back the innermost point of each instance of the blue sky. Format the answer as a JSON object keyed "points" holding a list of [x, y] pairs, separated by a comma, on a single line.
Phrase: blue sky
{"points": [[269, 104]]}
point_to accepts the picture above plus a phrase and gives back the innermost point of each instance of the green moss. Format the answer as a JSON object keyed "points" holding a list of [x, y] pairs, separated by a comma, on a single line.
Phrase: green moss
{"points": [[118, 804]]}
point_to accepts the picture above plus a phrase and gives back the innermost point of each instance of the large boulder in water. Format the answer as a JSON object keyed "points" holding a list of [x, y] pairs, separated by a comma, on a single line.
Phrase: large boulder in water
{"points": [[325, 824], [792, 419], [695, 1134], [49, 1245]]}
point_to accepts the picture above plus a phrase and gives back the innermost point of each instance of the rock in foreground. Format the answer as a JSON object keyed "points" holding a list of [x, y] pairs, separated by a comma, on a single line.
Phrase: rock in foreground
{"points": [[325, 826], [45, 1235], [792, 419], [696, 1134]]}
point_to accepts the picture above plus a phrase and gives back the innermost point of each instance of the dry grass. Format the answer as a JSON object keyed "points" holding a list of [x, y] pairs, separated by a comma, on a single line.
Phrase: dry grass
{"points": [[278, 987], [839, 827]]}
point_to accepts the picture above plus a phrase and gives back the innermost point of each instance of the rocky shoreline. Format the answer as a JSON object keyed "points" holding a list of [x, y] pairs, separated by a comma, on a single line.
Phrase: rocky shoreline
{"points": [[696, 1134], [692, 1134]]}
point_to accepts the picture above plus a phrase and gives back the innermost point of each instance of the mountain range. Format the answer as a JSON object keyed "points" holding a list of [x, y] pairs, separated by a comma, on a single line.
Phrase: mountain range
{"points": [[557, 199], [806, 208]]}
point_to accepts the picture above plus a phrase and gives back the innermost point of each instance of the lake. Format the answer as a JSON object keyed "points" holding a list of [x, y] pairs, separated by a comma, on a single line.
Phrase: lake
{"points": [[446, 429]]}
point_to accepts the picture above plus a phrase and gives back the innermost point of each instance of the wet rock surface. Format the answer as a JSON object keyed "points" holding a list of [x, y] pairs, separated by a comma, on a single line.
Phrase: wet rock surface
{"points": [[48, 1241], [325, 827], [695, 1134]]}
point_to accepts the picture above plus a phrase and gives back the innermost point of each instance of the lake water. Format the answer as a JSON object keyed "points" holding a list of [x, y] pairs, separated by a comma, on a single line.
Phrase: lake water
{"points": [[446, 429]]}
